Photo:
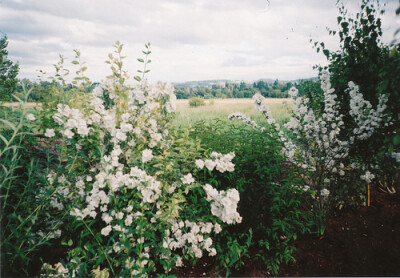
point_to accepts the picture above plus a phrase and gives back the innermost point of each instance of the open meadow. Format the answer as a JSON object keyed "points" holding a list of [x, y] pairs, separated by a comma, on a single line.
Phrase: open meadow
{"points": [[222, 108]]}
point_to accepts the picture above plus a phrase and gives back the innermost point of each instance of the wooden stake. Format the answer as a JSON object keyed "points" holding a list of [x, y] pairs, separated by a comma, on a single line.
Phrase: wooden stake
{"points": [[369, 195]]}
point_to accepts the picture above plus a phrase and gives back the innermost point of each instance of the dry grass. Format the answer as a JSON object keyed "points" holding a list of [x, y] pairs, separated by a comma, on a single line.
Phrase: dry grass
{"points": [[16, 104]]}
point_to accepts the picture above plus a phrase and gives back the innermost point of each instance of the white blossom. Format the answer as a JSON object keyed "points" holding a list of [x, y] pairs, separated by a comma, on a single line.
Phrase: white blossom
{"points": [[199, 163], [49, 133], [30, 117], [106, 230], [187, 179], [368, 176], [147, 155], [325, 192]]}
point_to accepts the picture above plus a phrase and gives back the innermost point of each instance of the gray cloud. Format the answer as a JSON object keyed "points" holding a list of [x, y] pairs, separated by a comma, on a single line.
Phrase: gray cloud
{"points": [[202, 39]]}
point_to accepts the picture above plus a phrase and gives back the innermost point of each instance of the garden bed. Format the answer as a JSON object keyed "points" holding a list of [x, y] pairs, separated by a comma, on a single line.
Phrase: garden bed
{"points": [[357, 242]]}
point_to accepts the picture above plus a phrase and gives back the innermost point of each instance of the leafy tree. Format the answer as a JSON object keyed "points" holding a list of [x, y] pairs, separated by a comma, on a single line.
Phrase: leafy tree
{"points": [[8, 72], [372, 65]]}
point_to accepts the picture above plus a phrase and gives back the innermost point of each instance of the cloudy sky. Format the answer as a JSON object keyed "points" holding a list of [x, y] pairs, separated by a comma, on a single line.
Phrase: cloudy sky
{"points": [[191, 39]]}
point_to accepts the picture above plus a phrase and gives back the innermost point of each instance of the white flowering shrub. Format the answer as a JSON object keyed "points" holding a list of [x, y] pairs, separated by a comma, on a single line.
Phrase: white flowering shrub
{"points": [[133, 203], [374, 67], [315, 143]]}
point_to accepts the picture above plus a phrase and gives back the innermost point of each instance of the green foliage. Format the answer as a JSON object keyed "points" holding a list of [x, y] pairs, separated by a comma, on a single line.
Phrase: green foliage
{"points": [[28, 225], [144, 61], [8, 73], [271, 204], [196, 101], [232, 250], [312, 90]]}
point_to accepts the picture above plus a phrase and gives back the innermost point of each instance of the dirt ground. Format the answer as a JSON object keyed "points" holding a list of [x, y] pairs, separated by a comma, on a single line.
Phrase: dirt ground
{"points": [[362, 242]]}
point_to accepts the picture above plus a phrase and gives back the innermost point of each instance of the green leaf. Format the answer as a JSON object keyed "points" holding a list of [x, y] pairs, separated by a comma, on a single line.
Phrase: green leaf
{"points": [[396, 140], [4, 139], [9, 124]]}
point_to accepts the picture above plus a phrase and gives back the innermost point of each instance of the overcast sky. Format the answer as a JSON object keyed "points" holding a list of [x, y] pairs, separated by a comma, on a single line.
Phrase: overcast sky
{"points": [[191, 39]]}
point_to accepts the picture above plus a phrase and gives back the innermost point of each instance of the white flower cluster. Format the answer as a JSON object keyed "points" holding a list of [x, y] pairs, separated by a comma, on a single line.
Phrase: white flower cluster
{"points": [[368, 176], [74, 121], [49, 133], [243, 118], [58, 270], [220, 162], [318, 140], [119, 121], [99, 197], [396, 156], [30, 117], [361, 110], [224, 204], [194, 237], [260, 105], [321, 134], [324, 192]]}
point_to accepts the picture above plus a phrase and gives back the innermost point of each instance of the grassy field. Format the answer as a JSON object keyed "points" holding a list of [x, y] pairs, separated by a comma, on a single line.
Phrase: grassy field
{"points": [[221, 108]]}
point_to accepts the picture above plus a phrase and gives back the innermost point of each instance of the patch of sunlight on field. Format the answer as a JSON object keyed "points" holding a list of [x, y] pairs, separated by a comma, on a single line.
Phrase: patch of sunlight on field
{"points": [[16, 104], [12, 111], [221, 108]]}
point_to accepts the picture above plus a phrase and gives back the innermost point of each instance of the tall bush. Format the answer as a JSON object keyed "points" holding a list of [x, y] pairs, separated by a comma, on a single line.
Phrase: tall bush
{"points": [[314, 143], [196, 101], [8, 73], [375, 68], [133, 203]]}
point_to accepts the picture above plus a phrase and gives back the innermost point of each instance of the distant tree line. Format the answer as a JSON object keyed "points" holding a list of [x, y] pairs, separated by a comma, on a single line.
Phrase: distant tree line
{"points": [[275, 89], [43, 89]]}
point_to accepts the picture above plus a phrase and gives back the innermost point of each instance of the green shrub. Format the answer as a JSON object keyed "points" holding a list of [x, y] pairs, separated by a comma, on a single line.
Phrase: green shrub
{"points": [[271, 201], [196, 101], [28, 220]]}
